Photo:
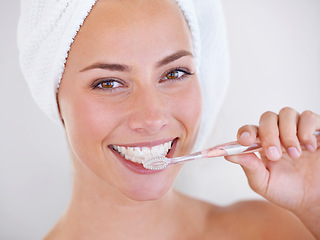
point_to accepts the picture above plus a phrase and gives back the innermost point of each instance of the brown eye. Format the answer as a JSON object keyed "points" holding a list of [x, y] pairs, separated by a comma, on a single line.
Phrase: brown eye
{"points": [[176, 74], [173, 75], [108, 84]]}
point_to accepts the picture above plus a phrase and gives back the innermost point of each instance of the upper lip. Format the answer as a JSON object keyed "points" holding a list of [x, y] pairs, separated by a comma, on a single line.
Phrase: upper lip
{"points": [[146, 144]]}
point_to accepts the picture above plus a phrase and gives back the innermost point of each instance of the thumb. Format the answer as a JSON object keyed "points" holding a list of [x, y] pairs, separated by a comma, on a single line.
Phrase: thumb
{"points": [[255, 170]]}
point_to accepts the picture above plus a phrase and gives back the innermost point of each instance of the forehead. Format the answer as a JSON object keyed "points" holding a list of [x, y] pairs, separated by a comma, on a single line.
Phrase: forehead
{"points": [[133, 26], [134, 8]]}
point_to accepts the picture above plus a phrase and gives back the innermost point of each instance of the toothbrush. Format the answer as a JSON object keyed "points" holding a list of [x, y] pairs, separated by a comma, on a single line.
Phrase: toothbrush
{"points": [[227, 149]]}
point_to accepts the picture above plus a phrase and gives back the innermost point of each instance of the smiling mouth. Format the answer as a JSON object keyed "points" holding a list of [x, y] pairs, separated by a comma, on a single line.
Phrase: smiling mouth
{"points": [[138, 154]]}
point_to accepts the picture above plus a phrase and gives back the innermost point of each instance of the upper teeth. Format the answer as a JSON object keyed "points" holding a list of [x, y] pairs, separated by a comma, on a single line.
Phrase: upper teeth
{"points": [[137, 154]]}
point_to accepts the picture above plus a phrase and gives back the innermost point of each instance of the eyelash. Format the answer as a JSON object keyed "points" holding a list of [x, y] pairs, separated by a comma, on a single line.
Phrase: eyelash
{"points": [[97, 84], [179, 69]]}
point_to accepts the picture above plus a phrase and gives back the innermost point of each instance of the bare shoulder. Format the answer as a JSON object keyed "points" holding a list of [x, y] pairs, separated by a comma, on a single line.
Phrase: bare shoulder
{"points": [[257, 219], [56, 233]]}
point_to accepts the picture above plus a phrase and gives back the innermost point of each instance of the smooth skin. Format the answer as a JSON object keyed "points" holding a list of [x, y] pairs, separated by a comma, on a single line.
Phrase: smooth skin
{"points": [[288, 179], [116, 91], [131, 80]]}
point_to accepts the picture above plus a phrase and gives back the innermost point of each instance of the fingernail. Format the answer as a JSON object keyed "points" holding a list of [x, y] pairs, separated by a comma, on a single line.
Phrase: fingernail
{"points": [[273, 153], [310, 147], [245, 135], [293, 152]]}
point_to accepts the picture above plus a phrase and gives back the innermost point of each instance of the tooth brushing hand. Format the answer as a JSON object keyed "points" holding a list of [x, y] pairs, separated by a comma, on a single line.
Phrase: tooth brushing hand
{"points": [[288, 173]]}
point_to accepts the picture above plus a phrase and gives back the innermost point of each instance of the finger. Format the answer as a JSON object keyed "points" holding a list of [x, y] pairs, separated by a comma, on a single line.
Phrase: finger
{"points": [[288, 120], [255, 170], [247, 135], [269, 136], [309, 122]]}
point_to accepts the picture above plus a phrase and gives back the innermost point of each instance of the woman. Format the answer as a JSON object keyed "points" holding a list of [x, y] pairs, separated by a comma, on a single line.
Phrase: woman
{"points": [[130, 87]]}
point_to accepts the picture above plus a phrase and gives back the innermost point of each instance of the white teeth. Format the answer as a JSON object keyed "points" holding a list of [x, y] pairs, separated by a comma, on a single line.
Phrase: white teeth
{"points": [[145, 152], [137, 154], [166, 146], [129, 151], [122, 150]]}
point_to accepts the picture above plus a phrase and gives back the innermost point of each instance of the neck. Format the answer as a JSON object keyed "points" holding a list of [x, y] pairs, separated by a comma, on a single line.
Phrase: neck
{"points": [[98, 207]]}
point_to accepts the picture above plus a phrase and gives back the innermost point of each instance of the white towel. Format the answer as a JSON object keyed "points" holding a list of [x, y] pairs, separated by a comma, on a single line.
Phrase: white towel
{"points": [[47, 28]]}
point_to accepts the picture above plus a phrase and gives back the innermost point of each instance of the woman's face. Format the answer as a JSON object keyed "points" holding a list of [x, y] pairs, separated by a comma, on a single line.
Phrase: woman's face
{"points": [[130, 85]]}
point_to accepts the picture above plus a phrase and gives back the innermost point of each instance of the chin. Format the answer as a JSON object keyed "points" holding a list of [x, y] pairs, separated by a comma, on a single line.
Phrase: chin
{"points": [[151, 190]]}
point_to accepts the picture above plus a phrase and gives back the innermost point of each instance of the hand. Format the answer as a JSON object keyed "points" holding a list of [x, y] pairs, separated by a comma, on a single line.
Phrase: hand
{"points": [[288, 173]]}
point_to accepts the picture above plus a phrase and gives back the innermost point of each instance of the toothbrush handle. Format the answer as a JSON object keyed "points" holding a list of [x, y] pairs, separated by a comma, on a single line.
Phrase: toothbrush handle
{"points": [[193, 156], [227, 149], [231, 148], [234, 148]]}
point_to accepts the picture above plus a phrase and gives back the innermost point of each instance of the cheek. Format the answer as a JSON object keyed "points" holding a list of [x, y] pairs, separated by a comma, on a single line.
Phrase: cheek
{"points": [[188, 109], [190, 106], [88, 121]]}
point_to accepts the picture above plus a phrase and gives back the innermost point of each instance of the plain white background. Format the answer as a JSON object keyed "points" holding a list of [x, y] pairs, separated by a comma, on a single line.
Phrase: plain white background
{"points": [[275, 62]]}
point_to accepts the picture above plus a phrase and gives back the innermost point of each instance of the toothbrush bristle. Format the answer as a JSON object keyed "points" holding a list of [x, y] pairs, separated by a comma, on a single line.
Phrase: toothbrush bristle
{"points": [[158, 163]]}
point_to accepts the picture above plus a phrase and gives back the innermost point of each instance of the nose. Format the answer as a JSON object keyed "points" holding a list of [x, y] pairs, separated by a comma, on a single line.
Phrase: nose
{"points": [[149, 113]]}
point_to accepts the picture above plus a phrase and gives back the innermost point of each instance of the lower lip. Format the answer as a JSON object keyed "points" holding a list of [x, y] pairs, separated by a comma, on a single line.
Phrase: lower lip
{"points": [[138, 167]]}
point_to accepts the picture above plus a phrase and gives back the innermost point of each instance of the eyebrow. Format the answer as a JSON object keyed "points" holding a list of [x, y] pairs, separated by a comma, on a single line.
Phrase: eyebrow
{"points": [[125, 68], [106, 66], [173, 57]]}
